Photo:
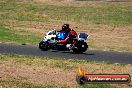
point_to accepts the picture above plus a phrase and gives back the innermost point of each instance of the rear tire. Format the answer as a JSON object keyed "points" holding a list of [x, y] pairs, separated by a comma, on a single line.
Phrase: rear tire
{"points": [[84, 46], [80, 47], [43, 46]]}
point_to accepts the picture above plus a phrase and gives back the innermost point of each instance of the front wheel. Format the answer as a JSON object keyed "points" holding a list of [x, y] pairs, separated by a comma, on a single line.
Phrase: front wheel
{"points": [[80, 47], [43, 46]]}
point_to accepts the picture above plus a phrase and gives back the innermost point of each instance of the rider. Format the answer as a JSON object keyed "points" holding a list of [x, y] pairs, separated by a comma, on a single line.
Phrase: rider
{"points": [[71, 33]]}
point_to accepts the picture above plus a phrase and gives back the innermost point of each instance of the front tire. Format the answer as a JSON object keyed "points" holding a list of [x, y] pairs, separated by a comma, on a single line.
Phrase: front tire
{"points": [[43, 46]]}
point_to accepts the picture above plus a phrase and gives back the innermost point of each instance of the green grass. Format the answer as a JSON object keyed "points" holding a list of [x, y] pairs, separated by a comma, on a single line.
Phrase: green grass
{"points": [[53, 62], [24, 84], [9, 35], [100, 13], [97, 86], [60, 63], [12, 82], [18, 10]]}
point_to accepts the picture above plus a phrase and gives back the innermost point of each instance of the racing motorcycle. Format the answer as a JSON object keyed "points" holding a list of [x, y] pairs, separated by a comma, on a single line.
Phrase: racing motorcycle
{"points": [[52, 40]]}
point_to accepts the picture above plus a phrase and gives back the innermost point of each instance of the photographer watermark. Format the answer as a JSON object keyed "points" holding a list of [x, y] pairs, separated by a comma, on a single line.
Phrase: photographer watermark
{"points": [[83, 78]]}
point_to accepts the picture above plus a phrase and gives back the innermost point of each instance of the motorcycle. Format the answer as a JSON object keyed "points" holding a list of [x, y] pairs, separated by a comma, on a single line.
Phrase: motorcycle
{"points": [[52, 40]]}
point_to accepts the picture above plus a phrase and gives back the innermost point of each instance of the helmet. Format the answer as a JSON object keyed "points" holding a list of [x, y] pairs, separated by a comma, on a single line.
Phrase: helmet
{"points": [[65, 27]]}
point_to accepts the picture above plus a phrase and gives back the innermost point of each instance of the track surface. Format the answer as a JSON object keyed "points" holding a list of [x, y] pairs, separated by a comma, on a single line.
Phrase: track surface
{"points": [[94, 55]]}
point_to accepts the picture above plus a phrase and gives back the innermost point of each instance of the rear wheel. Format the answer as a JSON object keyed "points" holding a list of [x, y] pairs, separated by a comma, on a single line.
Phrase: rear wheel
{"points": [[84, 46], [80, 47], [43, 46]]}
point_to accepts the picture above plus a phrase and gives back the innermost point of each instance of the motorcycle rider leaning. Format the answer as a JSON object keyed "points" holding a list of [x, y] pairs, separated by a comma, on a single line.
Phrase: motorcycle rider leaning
{"points": [[71, 33]]}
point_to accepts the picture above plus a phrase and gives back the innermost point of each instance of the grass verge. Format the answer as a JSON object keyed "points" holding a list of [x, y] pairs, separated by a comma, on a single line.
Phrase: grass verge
{"points": [[9, 35], [98, 13], [41, 72]]}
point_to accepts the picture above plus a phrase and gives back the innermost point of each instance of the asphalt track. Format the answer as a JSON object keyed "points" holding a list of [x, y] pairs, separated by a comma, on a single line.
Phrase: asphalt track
{"points": [[94, 55]]}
